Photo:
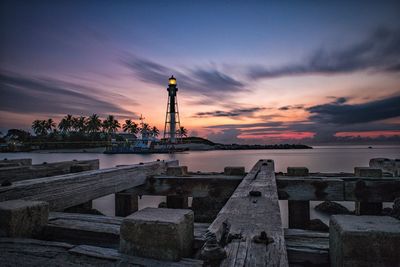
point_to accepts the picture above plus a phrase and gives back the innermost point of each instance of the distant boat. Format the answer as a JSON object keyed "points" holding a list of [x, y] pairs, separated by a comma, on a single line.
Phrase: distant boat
{"points": [[139, 146], [370, 147]]}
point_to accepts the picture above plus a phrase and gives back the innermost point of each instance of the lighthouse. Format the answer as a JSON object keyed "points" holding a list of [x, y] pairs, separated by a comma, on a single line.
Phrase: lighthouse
{"points": [[172, 115]]}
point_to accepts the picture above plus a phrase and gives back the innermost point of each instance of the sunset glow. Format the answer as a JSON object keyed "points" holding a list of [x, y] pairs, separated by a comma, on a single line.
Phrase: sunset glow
{"points": [[257, 72]]}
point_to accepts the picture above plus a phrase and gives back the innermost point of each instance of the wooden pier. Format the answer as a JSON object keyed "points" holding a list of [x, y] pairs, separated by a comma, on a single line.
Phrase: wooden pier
{"points": [[237, 219]]}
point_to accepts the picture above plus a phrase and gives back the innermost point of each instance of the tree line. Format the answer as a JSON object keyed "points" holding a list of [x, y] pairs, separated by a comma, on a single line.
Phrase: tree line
{"points": [[90, 125], [93, 126]]}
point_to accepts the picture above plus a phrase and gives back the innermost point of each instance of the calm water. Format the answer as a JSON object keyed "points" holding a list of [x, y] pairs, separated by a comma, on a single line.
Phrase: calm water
{"points": [[319, 159]]}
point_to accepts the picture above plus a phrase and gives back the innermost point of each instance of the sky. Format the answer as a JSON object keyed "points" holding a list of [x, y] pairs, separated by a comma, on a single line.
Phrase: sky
{"points": [[251, 72]]}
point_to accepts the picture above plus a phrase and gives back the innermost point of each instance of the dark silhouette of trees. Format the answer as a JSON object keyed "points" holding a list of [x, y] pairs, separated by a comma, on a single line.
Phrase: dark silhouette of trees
{"points": [[154, 131], [110, 125], [182, 132], [93, 124], [130, 127]]}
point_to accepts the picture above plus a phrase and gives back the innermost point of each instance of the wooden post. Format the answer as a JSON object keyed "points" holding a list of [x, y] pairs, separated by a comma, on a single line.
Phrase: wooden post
{"points": [[125, 204], [299, 214], [299, 211], [175, 202], [368, 208]]}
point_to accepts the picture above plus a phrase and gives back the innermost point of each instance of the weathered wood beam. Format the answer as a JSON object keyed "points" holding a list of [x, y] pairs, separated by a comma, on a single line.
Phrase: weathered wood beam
{"points": [[32, 252], [299, 210], [25, 171], [96, 230], [15, 162], [249, 225], [384, 189], [298, 213], [215, 185], [68, 190], [307, 248], [310, 188], [125, 204], [300, 188], [364, 189]]}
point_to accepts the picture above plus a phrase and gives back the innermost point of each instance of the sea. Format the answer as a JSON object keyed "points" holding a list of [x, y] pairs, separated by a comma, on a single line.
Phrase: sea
{"points": [[318, 159]]}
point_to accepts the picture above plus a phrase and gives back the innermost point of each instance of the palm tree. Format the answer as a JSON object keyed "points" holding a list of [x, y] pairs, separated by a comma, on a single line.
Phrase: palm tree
{"points": [[130, 127], [81, 124], [39, 127], [111, 125], [154, 131], [145, 130], [182, 132], [93, 123], [65, 124], [49, 125], [75, 124]]}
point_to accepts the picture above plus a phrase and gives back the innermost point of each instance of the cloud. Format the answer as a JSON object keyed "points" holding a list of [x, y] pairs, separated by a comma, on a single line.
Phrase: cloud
{"points": [[380, 51], [245, 125], [225, 136], [27, 95], [284, 108], [339, 113], [325, 122], [236, 113], [208, 82]]}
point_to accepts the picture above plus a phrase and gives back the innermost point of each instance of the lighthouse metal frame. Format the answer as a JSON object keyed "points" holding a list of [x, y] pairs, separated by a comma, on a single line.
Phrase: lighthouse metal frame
{"points": [[172, 121]]}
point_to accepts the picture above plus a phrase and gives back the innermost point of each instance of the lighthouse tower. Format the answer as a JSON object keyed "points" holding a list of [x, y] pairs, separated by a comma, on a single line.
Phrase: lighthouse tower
{"points": [[172, 116]]}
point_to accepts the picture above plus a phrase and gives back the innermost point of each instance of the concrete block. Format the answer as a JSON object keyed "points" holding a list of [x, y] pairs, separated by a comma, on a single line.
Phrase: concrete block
{"points": [[366, 241], [164, 234], [21, 218], [234, 170], [297, 171], [391, 166], [177, 170], [367, 172]]}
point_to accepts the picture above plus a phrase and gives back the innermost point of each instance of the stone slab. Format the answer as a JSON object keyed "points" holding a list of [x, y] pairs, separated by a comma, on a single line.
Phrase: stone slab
{"points": [[391, 166], [297, 171], [20, 218], [367, 172], [164, 234], [177, 170], [364, 241], [234, 170]]}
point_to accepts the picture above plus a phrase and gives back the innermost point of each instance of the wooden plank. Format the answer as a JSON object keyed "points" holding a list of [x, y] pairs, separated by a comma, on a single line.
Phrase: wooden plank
{"points": [[24, 172], [247, 215], [31, 252], [306, 248], [114, 255], [96, 230], [69, 190], [195, 185], [366, 189], [385, 189], [310, 188], [15, 162], [83, 229]]}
